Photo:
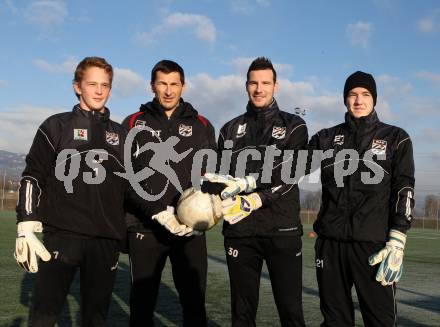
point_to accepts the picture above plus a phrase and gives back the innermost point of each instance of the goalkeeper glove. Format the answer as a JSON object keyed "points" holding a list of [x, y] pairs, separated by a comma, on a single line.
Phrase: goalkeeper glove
{"points": [[28, 246], [239, 207], [233, 185], [168, 219], [390, 259]]}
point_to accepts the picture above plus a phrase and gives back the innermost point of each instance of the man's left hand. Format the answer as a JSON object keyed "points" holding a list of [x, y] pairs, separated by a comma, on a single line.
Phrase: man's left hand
{"points": [[239, 207]]}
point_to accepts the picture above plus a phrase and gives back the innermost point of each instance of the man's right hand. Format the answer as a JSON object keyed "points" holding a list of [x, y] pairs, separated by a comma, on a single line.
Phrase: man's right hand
{"points": [[168, 219], [232, 185], [28, 246]]}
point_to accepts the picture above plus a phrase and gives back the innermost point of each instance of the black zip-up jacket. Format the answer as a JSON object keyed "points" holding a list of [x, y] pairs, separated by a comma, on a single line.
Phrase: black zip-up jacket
{"points": [[91, 210], [193, 132], [359, 211], [265, 130]]}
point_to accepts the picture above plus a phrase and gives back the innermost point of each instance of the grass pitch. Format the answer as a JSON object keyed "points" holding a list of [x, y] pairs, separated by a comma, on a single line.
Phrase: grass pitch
{"points": [[418, 293]]}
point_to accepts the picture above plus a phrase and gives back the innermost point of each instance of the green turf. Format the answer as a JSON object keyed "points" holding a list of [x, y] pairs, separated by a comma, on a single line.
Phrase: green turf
{"points": [[418, 294]]}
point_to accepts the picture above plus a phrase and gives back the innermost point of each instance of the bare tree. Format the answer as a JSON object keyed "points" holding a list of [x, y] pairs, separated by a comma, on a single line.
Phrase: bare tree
{"points": [[311, 201], [432, 203]]}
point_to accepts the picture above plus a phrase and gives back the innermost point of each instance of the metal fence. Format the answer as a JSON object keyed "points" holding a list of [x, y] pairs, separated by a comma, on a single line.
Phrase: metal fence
{"points": [[309, 216], [426, 223], [9, 201]]}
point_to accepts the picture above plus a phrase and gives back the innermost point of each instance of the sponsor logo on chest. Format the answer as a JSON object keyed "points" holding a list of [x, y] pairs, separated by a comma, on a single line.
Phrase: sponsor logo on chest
{"points": [[185, 130], [112, 138], [379, 147], [279, 132], [139, 123], [338, 140], [80, 134], [241, 131]]}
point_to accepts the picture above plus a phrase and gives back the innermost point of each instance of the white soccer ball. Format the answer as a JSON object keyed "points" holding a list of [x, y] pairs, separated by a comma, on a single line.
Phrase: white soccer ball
{"points": [[198, 210]]}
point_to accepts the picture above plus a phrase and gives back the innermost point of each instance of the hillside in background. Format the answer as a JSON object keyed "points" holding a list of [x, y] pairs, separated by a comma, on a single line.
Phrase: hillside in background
{"points": [[12, 163]]}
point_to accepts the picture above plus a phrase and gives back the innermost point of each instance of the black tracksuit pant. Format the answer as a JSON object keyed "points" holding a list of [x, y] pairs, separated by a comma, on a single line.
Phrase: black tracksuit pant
{"points": [[339, 266], [188, 256], [97, 260], [284, 262]]}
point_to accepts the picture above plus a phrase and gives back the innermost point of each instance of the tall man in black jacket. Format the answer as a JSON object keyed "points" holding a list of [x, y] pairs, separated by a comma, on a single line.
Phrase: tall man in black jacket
{"points": [[364, 216], [264, 224], [69, 188], [170, 132]]}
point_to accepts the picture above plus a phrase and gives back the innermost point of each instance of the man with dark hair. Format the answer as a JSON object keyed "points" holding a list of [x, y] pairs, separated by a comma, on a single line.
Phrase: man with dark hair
{"points": [[167, 120], [82, 212], [263, 225], [363, 221], [261, 63], [167, 67]]}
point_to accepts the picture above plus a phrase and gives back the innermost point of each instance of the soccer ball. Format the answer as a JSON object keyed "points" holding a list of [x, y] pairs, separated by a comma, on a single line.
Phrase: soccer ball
{"points": [[198, 210]]}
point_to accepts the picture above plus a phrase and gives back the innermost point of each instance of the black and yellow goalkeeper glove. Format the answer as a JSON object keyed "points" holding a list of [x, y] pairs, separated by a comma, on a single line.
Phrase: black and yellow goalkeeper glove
{"points": [[239, 207]]}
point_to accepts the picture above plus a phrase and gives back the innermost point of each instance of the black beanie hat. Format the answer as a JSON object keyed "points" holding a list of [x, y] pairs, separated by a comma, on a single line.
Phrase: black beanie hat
{"points": [[361, 79]]}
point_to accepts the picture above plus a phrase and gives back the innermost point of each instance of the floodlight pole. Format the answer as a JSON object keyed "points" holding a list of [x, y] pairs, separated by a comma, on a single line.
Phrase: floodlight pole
{"points": [[3, 189], [436, 216]]}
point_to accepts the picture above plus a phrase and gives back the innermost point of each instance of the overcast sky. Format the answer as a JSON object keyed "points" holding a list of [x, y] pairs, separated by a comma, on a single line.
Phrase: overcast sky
{"points": [[315, 45]]}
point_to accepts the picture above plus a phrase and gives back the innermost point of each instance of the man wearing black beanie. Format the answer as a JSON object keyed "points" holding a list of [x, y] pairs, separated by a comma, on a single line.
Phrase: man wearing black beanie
{"points": [[365, 212]]}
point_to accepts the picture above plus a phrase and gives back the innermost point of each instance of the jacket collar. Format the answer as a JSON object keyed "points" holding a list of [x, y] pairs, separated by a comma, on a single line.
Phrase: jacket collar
{"points": [[363, 124], [262, 113], [92, 114], [184, 110]]}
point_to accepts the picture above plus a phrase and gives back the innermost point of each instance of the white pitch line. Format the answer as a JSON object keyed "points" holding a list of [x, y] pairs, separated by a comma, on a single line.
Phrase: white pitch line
{"points": [[423, 238], [121, 303]]}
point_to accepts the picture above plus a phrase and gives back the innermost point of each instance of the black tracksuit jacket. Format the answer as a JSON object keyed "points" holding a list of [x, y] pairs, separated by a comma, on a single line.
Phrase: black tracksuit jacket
{"points": [[359, 211], [193, 131], [261, 130], [92, 210]]}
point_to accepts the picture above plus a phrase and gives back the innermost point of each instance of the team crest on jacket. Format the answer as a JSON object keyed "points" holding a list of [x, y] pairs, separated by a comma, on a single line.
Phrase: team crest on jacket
{"points": [[112, 138], [80, 134], [139, 123], [279, 132], [185, 130], [241, 131], [338, 140], [379, 147]]}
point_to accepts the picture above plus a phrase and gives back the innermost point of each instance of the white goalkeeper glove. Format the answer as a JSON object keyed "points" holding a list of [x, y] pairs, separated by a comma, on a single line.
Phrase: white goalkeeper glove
{"points": [[239, 207], [168, 219], [234, 185], [390, 259], [28, 246]]}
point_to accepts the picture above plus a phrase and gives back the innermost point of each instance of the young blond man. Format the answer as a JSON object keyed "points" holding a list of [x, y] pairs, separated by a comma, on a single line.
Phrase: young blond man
{"points": [[69, 190]]}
